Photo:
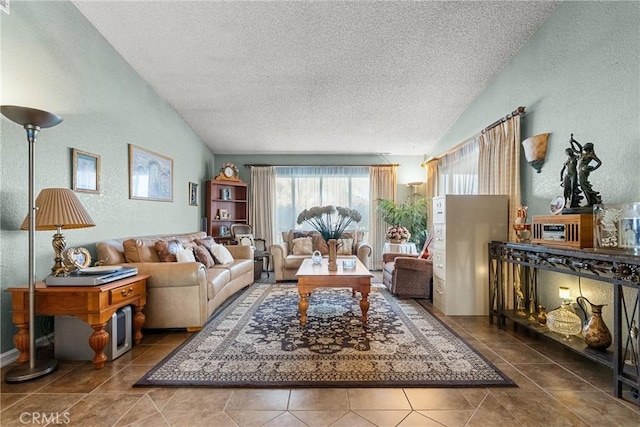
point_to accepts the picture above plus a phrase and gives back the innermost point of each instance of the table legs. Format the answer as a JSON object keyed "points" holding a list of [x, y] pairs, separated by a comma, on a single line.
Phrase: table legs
{"points": [[364, 306], [98, 341], [303, 305], [21, 341]]}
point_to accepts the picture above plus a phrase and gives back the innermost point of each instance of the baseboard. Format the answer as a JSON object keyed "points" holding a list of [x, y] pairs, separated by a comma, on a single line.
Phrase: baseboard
{"points": [[8, 357]]}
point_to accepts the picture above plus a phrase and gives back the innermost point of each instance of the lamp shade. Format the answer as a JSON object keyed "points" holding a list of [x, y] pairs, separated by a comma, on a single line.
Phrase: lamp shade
{"points": [[535, 150], [59, 207], [30, 116]]}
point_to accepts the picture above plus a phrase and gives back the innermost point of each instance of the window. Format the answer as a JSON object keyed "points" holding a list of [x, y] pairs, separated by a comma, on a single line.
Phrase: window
{"points": [[302, 187]]}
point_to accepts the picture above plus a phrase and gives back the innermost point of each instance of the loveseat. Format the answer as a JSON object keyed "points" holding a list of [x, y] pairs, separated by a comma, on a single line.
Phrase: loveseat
{"points": [[180, 294], [288, 255]]}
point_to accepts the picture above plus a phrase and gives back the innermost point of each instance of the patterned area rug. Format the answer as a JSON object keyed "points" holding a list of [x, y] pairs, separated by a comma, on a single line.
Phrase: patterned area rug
{"points": [[257, 341]]}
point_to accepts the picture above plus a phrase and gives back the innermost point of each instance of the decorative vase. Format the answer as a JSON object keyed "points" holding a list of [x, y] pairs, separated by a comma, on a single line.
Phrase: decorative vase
{"points": [[542, 315], [595, 331], [316, 257], [333, 254], [522, 229]]}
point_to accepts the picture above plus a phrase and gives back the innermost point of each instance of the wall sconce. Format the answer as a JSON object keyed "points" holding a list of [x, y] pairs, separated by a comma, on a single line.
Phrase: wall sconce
{"points": [[535, 150]]}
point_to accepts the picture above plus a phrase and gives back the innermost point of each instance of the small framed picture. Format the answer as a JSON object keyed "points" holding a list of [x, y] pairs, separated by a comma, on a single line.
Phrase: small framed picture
{"points": [[77, 258], [86, 172], [630, 233], [225, 194], [193, 194], [223, 214]]}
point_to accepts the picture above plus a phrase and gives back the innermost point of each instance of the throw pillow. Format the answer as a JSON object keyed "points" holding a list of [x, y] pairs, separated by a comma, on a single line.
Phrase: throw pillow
{"points": [[302, 246], [131, 250], [425, 250], [345, 246], [319, 244], [203, 255], [205, 241], [140, 250], [221, 254], [189, 245], [185, 255], [167, 249]]}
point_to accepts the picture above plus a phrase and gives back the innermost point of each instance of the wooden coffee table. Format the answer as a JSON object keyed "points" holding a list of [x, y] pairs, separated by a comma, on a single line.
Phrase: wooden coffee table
{"points": [[311, 276]]}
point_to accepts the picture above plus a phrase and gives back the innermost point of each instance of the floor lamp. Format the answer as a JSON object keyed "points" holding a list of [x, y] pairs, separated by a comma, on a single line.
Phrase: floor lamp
{"points": [[32, 120]]}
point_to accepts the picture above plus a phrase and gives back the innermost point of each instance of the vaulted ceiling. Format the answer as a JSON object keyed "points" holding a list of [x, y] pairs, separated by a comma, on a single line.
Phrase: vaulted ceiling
{"points": [[318, 77]]}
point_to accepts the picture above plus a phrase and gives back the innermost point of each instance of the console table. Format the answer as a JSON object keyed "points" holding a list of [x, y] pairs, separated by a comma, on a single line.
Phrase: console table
{"points": [[509, 262], [92, 304]]}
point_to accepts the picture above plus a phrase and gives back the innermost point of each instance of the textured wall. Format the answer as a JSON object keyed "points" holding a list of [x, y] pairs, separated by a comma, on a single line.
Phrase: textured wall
{"points": [[580, 73], [53, 59]]}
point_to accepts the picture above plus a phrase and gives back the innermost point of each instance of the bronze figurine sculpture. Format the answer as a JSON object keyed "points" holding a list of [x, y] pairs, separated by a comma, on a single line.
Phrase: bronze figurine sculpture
{"points": [[581, 161]]}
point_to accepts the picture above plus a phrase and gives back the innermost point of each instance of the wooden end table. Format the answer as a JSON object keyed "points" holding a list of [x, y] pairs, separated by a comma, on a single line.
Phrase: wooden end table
{"points": [[92, 304], [311, 276]]}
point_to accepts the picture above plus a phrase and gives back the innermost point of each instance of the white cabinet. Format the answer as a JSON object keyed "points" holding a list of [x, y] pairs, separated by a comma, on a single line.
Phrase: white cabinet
{"points": [[463, 225]]}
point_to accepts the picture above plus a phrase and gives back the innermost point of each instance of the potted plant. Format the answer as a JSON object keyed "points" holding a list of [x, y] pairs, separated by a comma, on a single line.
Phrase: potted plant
{"points": [[411, 214]]}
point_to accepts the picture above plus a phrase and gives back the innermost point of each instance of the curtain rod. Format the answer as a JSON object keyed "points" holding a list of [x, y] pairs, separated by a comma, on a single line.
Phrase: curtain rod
{"points": [[249, 165], [516, 112]]}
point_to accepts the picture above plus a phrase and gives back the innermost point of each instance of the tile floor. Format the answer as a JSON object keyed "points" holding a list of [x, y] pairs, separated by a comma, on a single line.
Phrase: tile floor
{"points": [[555, 388]]}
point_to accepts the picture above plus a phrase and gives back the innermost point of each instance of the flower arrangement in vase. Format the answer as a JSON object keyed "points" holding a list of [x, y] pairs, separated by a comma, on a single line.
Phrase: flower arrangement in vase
{"points": [[397, 234], [330, 221]]}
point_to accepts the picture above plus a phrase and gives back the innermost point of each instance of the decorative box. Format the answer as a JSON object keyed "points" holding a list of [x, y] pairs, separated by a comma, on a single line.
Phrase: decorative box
{"points": [[568, 231]]}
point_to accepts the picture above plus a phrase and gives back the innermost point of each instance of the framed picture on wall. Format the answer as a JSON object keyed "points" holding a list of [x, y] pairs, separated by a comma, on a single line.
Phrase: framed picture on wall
{"points": [[150, 175], [86, 172], [193, 194]]}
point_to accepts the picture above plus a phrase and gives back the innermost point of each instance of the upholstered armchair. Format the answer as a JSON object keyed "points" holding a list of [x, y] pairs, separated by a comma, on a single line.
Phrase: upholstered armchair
{"points": [[407, 275]]}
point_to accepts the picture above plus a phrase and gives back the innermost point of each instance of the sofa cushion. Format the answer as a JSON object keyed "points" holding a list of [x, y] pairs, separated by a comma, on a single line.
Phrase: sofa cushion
{"points": [[167, 249], [302, 246], [221, 254], [140, 250], [236, 268], [203, 255]]}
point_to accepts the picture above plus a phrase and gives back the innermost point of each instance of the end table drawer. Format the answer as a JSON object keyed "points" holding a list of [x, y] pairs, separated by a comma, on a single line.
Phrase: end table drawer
{"points": [[125, 292]]}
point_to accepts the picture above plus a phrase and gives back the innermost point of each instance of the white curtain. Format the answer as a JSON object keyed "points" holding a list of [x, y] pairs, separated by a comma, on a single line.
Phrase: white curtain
{"points": [[458, 170], [301, 187], [499, 166], [262, 205], [383, 186]]}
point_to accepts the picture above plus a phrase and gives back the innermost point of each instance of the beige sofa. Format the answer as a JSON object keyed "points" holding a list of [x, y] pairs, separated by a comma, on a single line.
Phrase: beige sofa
{"points": [[181, 295], [286, 263]]}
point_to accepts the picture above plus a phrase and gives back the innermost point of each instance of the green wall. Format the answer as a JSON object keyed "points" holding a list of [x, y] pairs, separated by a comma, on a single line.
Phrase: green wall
{"points": [[54, 59], [580, 74]]}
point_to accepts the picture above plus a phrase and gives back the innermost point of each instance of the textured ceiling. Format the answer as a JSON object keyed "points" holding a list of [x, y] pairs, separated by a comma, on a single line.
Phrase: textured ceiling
{"points": [[318, 77]]}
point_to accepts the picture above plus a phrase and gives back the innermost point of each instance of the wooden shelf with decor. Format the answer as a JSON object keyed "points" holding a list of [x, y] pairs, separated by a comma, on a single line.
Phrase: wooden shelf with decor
{"points": [[226, 204]]}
